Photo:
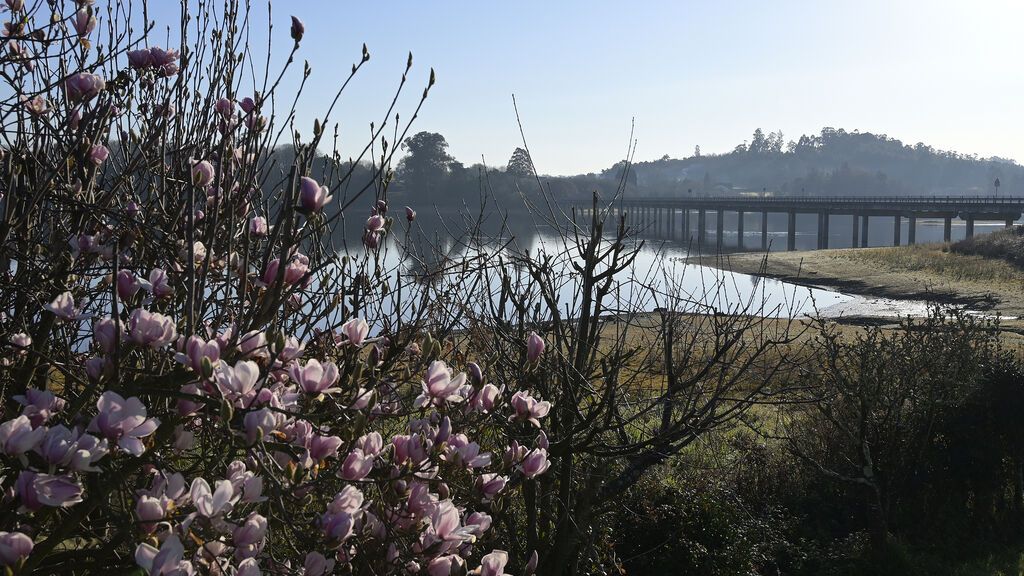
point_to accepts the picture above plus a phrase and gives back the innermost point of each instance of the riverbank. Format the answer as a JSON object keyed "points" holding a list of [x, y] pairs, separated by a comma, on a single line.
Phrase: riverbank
{"points": [[923, 272]]}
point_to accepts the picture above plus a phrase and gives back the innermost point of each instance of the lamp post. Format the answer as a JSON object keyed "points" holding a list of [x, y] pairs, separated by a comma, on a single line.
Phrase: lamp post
{"points": [[997, 186]]}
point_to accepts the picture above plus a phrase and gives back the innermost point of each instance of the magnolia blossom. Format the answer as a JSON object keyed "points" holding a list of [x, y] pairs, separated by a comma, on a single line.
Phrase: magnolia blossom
{"points": [[202, 173], [535, 463], [490, 485], [314, 377], [149, 511], [151, 329], [224, 106], [98, 154], [17, 436], [84, 86], [316, 564], [484, 399], [462, 451], [534, 347], [197, 352], [39, 405], [493, 564], [210, 504], [252, 531], [14, 547], [312, 196], [84, 21], [140, 59], [123, 421], [357, 465], [529, 409], [105, 333], [72, 448], [258, 424], [339, 518], [238, 383], [165, 561], [439, 386], [295, 271], [36, 105], [410, 214], [445, 565], [159, 285], [356, 331], [258, 226], [127, 284], [38, 490], [63, 307]]}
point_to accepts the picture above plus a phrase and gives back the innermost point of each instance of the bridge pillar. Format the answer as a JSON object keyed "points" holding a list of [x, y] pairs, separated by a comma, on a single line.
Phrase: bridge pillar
{"points": [[896, 230], [911, 229], [719, 227], [1009, 222], [672, 223], [824, 230], [864, 231], [856, 232], [791, 232], [686, 224], [739, 229], [764, 231], [947, 229], [970, 227], [702, 227]]}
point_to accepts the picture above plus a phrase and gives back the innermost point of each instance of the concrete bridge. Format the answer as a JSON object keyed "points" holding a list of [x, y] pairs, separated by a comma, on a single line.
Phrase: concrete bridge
{"points": [[666, 216]]}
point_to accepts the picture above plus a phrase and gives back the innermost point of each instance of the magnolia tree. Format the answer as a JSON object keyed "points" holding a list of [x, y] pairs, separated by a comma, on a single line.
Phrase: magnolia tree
{"points": [[194, 380]]}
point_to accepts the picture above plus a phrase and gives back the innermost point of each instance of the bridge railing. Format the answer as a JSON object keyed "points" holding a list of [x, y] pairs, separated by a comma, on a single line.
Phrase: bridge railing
{"points": [[938, 200]]}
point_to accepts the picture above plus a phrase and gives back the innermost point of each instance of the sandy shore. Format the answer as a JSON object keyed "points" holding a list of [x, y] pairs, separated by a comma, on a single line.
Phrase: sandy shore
{"points": [[907, 273]]}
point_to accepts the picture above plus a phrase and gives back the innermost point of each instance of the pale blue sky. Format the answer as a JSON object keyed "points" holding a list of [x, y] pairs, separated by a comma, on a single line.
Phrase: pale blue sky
{"points": [[690, 72]]}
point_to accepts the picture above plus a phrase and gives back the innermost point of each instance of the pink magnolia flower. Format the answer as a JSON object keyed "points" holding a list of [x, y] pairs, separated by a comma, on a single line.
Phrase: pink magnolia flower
{"points": [[197, 351], [39, 405], [140, 59], [258, 226], [15, 5], [127, 284], [445, 565], [312, 196], [260, 423], [529, 409], [247, 104], [104, 332], [84, 86], [63, 306], [295, 271], [165, 561], [298, 29], [375, 223], [490, 485], [98, 154], [14, 547], [252, 531], [225, 107], [356, 331], [531, 564], [151, 329], [314, 377], [149, 511], [159, 285], [484, 399], [322, 447], [85, 22], [535, 463], [238, 384], [338, 520], [462, 451], [210, 504], [36, 105], [357, 465], [38, 490], [534, 347], [123, 421], [410, 214], [439, 386], [17, 436], [253, 344], [316, 564], [202, 174], [72, 448], [493, 564]]}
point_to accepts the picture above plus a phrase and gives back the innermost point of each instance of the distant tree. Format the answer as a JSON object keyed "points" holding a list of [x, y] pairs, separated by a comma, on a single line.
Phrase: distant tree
{"points": [[758, 143], [427, 164], [520, 164], [696, 151]]}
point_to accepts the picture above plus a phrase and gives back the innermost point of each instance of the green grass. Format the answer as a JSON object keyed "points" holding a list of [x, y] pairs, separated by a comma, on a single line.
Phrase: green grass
{"points": [[939, 259]]}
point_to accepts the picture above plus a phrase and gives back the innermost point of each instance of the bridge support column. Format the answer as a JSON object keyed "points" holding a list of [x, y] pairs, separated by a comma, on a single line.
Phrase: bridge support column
{"points": [[686, 225], [739, 229], [970, 226], [864, 231], [764, 231], [947, 229], [1009, 222], [824, 230], [719, 227], [911, 230], [702, 227], [856, 232], [896, 230], [672, 223], [791, 232]]}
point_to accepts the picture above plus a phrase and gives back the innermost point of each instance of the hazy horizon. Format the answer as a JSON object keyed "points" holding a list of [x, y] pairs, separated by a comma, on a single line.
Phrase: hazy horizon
{"points": [[690, 73]]}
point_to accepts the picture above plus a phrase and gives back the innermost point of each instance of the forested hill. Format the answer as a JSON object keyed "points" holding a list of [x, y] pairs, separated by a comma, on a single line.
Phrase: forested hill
{"points": [[834, 162]]}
